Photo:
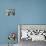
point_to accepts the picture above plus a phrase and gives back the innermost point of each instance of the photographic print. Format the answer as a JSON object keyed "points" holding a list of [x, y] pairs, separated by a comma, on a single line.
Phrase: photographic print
{"points": [[10, 12]]}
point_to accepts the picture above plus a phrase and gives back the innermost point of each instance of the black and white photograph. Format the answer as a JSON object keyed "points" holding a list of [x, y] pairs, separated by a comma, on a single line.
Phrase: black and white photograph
{"points": [[10, 12]]}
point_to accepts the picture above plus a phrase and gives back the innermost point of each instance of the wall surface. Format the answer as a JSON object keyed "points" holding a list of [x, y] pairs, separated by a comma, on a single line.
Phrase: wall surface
{"points": [[27, 12]]}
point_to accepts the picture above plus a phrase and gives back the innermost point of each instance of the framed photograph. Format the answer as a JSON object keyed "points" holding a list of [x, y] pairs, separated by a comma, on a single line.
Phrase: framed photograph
{"points": [[10, 12]]}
